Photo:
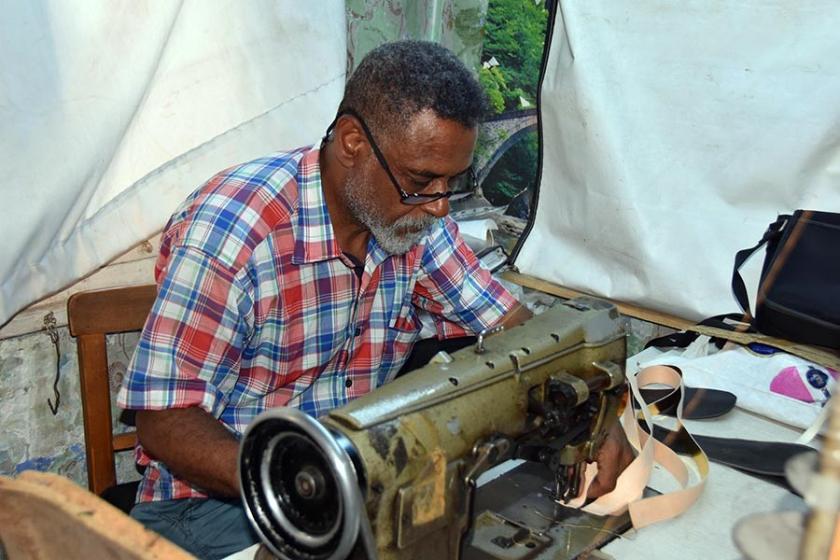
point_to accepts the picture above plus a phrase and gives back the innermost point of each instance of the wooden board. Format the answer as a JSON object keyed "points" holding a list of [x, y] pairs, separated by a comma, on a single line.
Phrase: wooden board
{"points": [[624, 308], [46, 516], [818, 355]]}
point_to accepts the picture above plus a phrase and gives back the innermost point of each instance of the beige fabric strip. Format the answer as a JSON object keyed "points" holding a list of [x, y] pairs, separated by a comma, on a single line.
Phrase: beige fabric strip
{"points": [[631, 483]]}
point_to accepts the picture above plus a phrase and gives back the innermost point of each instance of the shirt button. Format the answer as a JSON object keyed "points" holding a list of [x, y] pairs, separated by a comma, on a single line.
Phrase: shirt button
{"points": [[348, 382], [358, 331]]}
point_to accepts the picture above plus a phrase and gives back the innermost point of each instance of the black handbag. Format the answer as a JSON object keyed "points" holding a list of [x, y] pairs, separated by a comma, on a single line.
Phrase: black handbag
{"points": [[799, 292]]}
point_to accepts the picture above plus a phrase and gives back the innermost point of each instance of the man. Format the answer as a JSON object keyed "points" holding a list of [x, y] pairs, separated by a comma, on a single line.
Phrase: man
{"points": [[296, 280]]}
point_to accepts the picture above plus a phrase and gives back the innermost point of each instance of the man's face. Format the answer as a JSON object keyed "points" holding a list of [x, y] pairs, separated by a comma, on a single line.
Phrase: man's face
{"points": [[430, 152]]}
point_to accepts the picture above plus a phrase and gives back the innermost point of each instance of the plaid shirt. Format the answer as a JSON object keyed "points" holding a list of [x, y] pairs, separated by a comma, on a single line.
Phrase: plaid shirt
{"points": [[258, 307]]}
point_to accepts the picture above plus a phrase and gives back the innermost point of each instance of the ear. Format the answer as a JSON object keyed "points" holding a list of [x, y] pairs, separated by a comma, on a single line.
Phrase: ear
{"points": [[349, 140]]}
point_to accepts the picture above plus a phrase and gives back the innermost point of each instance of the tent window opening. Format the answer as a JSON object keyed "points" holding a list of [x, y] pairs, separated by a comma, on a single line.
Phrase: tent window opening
{"points": [[507, 157]]}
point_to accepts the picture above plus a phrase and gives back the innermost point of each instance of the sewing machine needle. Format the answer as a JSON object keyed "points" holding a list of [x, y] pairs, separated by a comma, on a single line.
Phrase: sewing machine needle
{"points": [[574, 486]]}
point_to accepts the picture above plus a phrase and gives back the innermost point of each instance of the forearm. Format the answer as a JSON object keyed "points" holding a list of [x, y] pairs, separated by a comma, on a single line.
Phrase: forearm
{"points": [[194, 446]]}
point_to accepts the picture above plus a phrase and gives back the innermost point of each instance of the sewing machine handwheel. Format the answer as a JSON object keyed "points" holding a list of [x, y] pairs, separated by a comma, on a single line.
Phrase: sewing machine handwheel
{"points": [[299, 487]]}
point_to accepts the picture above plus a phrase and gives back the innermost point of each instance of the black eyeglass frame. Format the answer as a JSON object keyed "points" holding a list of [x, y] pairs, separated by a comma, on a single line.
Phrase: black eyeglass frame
{"points": [[412, 199]]}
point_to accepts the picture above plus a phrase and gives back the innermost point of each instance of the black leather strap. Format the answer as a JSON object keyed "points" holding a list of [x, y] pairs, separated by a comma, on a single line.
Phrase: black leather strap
{"points": [[763, 458], [699, 403], [684, 338], [739, 289]]}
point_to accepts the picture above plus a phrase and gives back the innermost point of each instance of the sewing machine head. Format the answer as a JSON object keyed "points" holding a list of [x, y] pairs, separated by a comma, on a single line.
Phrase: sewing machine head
{"points": [[393, 473]]}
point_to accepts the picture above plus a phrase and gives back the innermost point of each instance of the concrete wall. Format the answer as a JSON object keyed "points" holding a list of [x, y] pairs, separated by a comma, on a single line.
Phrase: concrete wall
{"points": [[32, 437], [456, 24]]}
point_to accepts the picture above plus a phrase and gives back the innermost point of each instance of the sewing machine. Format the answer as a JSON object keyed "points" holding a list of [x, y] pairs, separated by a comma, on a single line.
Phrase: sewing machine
{"points": [[393, 474]]}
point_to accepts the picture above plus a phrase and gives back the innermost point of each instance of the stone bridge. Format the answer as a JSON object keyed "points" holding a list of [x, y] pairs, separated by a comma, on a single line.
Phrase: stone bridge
{"points": [[496, 136]]}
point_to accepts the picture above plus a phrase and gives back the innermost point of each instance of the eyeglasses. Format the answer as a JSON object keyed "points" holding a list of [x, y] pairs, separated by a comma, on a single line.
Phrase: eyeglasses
{"points": [[460, 186]]}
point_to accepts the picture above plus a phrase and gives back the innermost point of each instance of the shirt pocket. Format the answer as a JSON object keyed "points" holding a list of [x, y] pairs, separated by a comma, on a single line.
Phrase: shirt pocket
{"points": [[402, 336], [402, 332], [404, 326], [406, 321]]}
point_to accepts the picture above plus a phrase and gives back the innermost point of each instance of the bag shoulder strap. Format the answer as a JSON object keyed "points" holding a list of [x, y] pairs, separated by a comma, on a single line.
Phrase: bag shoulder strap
{"points": [[682, 339], [739, 289]]}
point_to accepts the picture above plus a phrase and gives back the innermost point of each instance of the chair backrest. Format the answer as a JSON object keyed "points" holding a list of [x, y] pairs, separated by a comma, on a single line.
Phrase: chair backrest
{"points": [[46, 516], [92, 315]]}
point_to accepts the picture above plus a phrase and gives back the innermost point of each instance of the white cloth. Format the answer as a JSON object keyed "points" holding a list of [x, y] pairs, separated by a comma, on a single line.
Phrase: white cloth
{"points": [[112, 112], [752, 378], [673, 133]]}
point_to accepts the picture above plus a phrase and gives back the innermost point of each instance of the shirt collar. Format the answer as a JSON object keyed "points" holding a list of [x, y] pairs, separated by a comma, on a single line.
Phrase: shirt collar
{"points": [[313, 230]]}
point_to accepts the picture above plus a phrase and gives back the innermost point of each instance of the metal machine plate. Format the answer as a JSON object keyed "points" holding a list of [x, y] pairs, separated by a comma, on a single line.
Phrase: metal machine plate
{"points": [[516, 518]]}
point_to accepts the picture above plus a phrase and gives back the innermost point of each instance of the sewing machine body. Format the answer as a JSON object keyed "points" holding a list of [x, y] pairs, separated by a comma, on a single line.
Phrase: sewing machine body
{"points": [[546, 391]]}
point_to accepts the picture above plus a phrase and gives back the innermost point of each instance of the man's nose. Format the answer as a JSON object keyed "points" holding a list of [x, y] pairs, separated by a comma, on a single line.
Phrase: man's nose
{"points": [[437, 208]]}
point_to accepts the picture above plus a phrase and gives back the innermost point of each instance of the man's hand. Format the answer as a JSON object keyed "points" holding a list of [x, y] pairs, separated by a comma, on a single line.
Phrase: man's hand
{"points": [[613, 457]]}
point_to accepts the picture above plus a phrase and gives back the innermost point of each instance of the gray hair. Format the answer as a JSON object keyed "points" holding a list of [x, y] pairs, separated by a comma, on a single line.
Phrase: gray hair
{"points": [[396, 81]]}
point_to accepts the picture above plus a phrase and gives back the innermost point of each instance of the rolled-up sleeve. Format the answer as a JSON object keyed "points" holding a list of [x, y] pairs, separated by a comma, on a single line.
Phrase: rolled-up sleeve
{"points": [[455, 289], [190, 348]]}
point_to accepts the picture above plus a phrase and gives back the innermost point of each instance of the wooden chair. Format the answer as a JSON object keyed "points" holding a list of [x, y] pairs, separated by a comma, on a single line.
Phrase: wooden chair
{"points": [[92, 315], [46, 516]]}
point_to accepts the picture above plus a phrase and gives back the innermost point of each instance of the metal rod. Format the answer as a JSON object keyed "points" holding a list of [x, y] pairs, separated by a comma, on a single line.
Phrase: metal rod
{"points": [[821, 522]]}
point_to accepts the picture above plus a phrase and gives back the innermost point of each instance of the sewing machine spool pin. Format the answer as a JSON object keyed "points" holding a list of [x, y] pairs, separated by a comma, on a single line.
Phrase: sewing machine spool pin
{"points": [[479, 343]]}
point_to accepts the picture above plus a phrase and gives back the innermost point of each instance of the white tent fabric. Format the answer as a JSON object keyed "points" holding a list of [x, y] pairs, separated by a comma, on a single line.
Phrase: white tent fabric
{"points": [[112, 112], [673, 133]]}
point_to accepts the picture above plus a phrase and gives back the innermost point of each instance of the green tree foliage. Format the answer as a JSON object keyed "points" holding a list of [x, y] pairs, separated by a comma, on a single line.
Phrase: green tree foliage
{"points": [[493, 82], [514, 35]]}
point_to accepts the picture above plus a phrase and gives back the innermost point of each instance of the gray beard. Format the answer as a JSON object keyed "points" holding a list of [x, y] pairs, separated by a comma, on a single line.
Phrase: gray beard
{"points": [[396, 238]]}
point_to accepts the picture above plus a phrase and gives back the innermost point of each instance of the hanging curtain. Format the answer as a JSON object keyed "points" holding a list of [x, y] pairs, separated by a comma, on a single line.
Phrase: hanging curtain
{"points": [[673, 133], [112, 112]]}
